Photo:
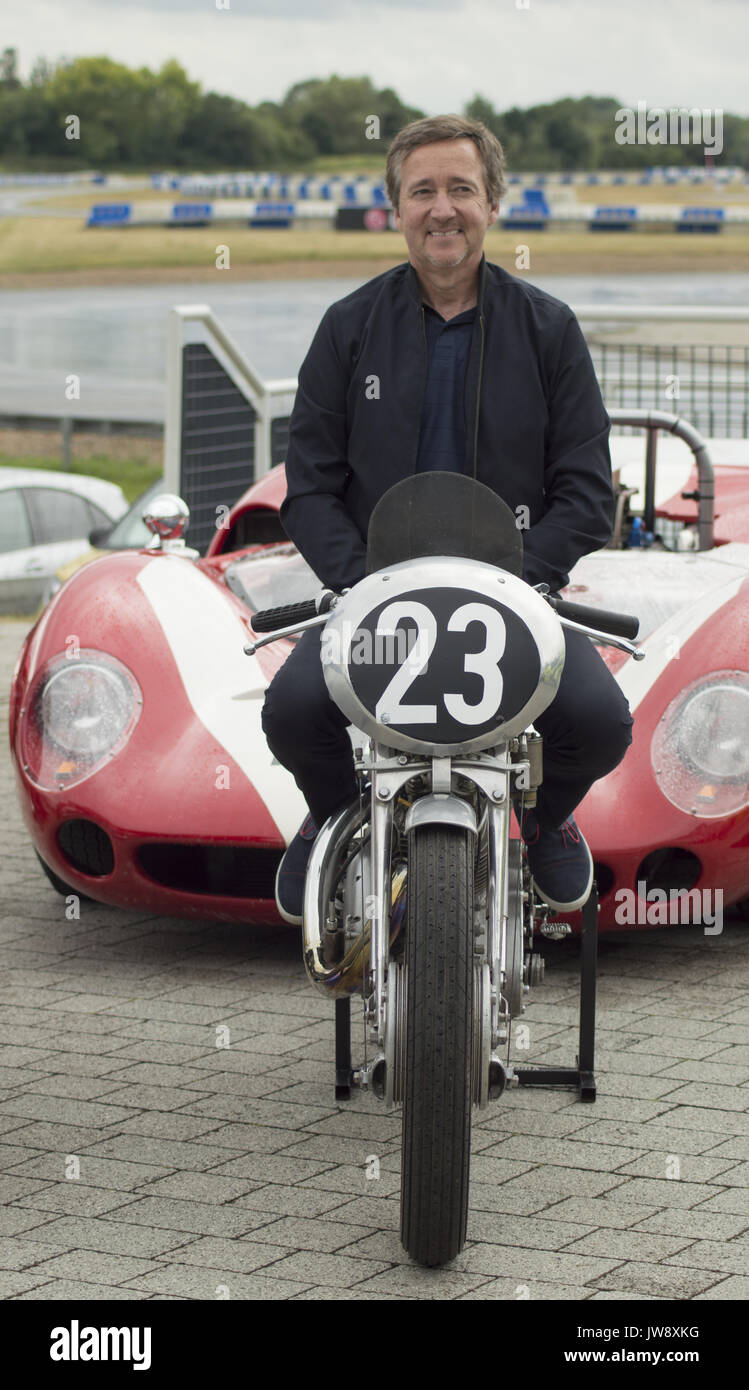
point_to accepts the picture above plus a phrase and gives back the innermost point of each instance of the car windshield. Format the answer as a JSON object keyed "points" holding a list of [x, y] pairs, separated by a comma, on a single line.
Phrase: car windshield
{"points": [[272, 577], [653, 585], [130, 531]]}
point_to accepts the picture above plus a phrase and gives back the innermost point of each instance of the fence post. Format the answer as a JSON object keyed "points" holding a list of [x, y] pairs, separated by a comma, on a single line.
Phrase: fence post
{"points": [[262, 434]]}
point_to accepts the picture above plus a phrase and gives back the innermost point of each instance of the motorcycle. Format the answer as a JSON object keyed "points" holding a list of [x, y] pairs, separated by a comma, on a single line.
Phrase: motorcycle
{"points": [[416, 896]]}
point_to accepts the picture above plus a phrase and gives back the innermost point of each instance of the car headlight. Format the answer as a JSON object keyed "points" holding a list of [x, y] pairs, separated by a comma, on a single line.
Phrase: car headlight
{"points": [[700, 749], [81, 712]]}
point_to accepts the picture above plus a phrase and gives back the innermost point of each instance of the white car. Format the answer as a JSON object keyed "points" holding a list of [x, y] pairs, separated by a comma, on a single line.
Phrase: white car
{"points": [[45, 521]]}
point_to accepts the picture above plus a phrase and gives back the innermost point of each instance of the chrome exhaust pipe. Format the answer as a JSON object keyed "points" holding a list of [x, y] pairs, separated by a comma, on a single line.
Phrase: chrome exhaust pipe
{"points": [[343, 976]]}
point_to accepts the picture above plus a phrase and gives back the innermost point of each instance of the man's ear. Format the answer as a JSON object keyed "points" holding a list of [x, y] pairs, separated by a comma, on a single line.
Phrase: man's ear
{"points": [[494, 213], [397, 219]]}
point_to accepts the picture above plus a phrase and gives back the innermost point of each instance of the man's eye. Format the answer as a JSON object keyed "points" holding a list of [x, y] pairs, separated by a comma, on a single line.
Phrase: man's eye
{"points": [[463, 189]]}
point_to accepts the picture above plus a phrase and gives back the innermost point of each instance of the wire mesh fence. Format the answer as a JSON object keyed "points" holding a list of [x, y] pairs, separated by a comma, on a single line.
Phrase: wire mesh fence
{"points": [[707, 383]]}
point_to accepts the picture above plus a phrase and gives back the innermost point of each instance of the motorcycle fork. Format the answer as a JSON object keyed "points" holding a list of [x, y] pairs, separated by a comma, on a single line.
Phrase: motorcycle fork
{"points": [[497, 911], [388, 773], [381, 836], [492, 777]]}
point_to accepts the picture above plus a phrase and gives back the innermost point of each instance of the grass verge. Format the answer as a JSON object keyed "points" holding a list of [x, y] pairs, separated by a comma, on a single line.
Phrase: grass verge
{"points": [[133, 475], [34, 248]]}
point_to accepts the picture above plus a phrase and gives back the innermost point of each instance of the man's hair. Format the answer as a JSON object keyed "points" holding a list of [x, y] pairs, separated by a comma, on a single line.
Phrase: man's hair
{"points": [[433, 128]]}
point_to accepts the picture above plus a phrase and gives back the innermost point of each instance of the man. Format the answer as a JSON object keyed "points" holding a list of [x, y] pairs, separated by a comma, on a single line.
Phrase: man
{"points": [[450, 362]]}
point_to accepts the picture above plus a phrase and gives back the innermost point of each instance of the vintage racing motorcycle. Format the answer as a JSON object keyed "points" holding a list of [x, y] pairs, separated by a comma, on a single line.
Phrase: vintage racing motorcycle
{"points": [[417, 898]]}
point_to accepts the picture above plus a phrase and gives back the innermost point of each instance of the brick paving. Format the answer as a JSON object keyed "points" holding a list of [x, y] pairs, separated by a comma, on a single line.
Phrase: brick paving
{"points": [[208, 1172]]}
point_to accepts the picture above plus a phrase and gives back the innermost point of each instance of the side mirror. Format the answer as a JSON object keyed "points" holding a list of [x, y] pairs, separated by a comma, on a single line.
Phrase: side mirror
{"points": [[166, 517], [99, 535]]}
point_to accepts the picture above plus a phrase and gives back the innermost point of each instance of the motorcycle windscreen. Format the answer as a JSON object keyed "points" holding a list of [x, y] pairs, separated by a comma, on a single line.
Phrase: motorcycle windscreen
{"points": [[443, 513]]}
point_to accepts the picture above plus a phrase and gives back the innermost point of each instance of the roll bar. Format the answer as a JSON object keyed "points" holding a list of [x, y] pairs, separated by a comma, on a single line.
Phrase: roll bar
{"points": [[653, 421]]}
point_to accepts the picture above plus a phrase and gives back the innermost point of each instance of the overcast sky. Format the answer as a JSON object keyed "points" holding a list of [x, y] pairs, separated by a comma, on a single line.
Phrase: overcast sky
{"points": [[437, 54]]}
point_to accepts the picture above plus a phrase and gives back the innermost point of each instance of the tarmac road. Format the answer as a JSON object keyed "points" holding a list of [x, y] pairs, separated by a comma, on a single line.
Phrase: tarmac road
{"points": [[142, 1161]]}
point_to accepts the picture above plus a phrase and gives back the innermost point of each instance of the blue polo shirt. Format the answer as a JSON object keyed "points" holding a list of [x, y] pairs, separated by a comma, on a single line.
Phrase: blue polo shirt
{"points": [[442, 441]]}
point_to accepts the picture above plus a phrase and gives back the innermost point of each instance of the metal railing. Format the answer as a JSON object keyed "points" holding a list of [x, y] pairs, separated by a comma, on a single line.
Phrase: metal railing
{"points": [[708, 382], [225, 426], [653, 421]]}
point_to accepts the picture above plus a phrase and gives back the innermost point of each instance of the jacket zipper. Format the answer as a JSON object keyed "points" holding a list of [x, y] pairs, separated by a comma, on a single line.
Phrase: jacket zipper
{"points": [[478, 401], [426, 364]]}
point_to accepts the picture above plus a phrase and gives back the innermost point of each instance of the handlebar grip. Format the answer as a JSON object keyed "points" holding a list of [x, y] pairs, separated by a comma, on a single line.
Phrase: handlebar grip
{"points": [[618, 624], [268, 619]]}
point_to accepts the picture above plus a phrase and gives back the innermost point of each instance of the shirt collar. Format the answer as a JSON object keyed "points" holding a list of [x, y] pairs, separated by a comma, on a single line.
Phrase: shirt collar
{"points": [[414, 287]]}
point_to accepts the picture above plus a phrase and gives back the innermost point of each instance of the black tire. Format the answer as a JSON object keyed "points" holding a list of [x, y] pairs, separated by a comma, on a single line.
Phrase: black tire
{"points": [[437, 1087]]}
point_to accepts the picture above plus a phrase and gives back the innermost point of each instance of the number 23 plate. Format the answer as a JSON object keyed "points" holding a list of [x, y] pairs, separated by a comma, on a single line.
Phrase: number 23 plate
{"points": [[443, 666]]}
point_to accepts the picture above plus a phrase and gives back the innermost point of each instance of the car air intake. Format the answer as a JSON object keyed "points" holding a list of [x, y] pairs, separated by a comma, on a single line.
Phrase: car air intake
{"points": [[224, 871], [670, 869], [86, 847]]}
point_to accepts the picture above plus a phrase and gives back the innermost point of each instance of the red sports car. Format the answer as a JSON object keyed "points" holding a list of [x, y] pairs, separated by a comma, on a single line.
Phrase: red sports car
{"points": [[144, 776], [146, 781]]}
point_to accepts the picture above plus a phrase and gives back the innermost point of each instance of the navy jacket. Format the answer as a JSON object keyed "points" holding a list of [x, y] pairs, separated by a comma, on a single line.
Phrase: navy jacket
{"points": [[536, 428]]}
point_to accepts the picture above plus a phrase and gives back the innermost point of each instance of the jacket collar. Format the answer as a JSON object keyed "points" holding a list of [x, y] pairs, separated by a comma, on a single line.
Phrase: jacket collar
{"points": [[414, 288]]}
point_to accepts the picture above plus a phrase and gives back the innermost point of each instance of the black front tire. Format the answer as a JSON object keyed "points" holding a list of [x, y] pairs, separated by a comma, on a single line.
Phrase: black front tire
{"points": [[437, 1089]]}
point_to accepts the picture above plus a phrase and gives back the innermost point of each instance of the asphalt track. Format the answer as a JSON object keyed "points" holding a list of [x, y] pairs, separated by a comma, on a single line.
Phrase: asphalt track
{"points": [[114, 338]]}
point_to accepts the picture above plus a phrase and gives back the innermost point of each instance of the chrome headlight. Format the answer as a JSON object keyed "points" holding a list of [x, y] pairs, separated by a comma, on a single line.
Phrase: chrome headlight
{"points": [[700, 749], [84, 708], [82, 711]]}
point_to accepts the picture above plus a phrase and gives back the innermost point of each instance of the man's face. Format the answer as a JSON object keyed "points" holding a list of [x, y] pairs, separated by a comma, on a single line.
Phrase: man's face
{"points": [[444, 210]]}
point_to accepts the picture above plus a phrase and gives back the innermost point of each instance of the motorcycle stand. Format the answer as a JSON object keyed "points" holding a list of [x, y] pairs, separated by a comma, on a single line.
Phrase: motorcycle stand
{"points": [[343, 1048], [581, 1077]]}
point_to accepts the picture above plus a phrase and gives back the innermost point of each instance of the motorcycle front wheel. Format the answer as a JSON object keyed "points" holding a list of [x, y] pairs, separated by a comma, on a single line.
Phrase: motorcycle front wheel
{"points": [[437, 1083]]}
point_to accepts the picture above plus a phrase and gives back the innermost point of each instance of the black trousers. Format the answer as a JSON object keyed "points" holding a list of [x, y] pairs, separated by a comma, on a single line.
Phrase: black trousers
{"points": [[587, 729]]}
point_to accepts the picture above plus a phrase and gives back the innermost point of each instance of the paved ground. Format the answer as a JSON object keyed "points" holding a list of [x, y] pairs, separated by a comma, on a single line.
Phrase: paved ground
{"points": [[141, 1160]]}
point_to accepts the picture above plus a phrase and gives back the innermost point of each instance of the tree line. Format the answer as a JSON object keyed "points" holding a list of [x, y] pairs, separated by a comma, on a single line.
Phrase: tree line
{"points": [[130, 118]]}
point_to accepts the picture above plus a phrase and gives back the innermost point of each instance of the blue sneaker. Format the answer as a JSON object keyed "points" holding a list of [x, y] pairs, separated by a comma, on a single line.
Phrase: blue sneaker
{"points": [[292, 872], [560, 863]]}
